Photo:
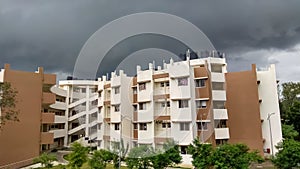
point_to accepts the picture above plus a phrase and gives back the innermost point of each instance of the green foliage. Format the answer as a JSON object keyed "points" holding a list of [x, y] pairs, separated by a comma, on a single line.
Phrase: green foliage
{"points": [[233, 156], [227, 156], [100, 159], [139, 157], [288, 155], [168, 157], [290, 105], [78, 156], [45, 160], [8, 103], [288, 131], [119, 152], [143, 157], [201, 154]]}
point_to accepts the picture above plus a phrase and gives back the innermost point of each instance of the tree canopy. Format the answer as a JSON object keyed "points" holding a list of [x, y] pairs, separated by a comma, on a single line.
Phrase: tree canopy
{"points": [[288, 155], [8, 102], [228, 156]]}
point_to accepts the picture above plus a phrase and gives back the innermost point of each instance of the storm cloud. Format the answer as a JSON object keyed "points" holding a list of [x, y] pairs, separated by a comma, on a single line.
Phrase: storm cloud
{"points": [[51, 33]]}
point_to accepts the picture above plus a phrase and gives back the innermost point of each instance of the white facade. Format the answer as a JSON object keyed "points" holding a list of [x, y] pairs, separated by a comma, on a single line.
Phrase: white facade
{"points": [[181, 101], [269, 108]]}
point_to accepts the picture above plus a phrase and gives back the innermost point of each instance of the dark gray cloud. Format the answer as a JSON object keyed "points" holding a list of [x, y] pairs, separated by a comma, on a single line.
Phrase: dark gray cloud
{"points": [[51, 33]]}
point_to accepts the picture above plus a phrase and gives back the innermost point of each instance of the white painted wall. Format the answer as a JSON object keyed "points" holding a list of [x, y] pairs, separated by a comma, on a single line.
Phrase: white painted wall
{"points": [[2, 75], [182, 137], [267, 90]]}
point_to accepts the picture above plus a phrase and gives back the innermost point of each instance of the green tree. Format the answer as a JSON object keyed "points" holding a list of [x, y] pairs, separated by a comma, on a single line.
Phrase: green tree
{"points": [[201, 154], [170, 155], [139, 157], [288, 155], [45, 160], [78, 156], [100, 159], [8, 102], [119, 150], [231, 156], [289, 94], [227, 156], [288, 131]]}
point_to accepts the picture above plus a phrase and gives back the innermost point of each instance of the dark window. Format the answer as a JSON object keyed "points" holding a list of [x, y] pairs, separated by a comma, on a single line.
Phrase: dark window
{"points": [[185, 126], [200, 82], [202, 125], [117, 126], [143, 126], [183, 149], [183, 103], [166, 125], [201, 104], [183, 81], [142, 86]]}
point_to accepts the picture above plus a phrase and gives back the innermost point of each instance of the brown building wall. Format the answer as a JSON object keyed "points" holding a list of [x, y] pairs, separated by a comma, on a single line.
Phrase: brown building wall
{"points": [[243, 109], [20, 141]]}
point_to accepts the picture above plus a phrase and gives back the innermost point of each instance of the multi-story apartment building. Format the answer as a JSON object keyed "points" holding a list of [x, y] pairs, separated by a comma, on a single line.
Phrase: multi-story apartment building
{"points": [[181, 101], [193, 98], [21, 142]]}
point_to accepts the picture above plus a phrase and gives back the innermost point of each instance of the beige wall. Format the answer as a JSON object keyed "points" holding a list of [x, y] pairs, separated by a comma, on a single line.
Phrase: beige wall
{"points": [[244, 120], [20, 141]]}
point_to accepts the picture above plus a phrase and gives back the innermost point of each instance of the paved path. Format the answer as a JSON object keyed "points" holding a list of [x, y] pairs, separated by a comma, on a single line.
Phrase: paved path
{"points": [[60, 156]]}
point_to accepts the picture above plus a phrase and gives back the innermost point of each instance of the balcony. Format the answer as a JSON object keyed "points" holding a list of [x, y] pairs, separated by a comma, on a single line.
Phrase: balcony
{"points": [[48, 98], [217, 77], [59, 105], [48, 118], [47, 138], [220, 114], [60, 119], [161, 75], [222, 133], [58, 133], [161, 97], [219, 95], [58, 91]]}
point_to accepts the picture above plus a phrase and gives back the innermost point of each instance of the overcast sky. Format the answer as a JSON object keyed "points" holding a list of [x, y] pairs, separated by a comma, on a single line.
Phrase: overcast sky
{"points": [[51, 33]]}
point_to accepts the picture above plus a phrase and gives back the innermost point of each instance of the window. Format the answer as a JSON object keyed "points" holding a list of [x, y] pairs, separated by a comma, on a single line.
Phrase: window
{"points": [[200, 82], [202, 125], [135, 126], [142, 86], [162, 84], [166, 125], [201, 104], [83, 90], [117, 126], [99, 126], [165, 104], [184, 126], [134, 107], [117, 108], [183, 81], [216, 68], [219, 105], [117, 90], [167, 84], [221, 123], [218, 86], [221, 141], [183, 103], [100, 93], [134, 90], [142, 106], [143, 126], [183, 149]]}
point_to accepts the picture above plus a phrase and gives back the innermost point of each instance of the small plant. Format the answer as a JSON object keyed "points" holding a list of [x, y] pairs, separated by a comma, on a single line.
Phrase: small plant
{"points": [[45, 160]]}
